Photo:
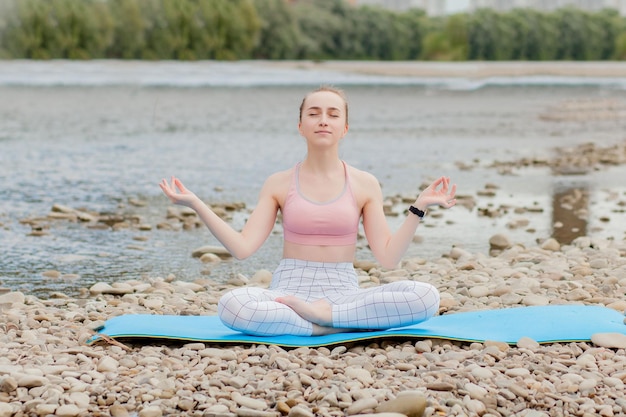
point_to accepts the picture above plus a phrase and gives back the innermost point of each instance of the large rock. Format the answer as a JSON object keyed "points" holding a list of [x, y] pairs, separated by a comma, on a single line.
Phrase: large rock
{"points": [[499, 242], [217, 250]]}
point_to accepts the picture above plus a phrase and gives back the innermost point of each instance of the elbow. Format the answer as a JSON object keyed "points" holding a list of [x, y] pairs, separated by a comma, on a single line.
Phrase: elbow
{"points": [[242, 249], [389, 265], [241, 253], [386, 261]]}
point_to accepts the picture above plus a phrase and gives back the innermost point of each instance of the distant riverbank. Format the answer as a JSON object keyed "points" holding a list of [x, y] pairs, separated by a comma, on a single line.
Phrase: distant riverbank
{"points": [[468, 69]]}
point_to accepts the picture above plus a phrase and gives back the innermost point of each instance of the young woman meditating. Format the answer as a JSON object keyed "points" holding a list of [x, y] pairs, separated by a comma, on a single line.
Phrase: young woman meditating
{"points": [[314, 289]]}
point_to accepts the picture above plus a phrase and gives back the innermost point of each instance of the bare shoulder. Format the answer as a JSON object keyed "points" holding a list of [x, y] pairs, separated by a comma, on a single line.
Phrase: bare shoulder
{"points": [[363, 178], [279, 178], [277, 184], [365, 185]]}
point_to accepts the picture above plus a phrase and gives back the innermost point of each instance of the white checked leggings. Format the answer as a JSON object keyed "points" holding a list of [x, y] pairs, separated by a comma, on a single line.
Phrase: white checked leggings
{"points": [[252, 310]]}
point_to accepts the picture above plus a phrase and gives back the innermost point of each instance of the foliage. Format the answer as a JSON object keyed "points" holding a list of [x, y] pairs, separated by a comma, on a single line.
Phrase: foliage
{"points": [[57, 29], [298, 29], [279, 33], [447, 39]]}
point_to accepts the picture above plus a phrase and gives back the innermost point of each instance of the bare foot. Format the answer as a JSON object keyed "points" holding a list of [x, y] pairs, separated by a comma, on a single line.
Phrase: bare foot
{"points": [[318, 312], [321, 330]]}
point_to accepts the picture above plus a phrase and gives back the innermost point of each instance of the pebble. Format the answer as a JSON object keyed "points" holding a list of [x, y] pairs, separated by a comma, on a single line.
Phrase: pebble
{"points": [[551, 244], [500, 241], [116, 410], [361, 405], [381, 415], [67, 410], [527, 343], [6, 410], [151, 411], [300, 411], [248, 402], [609, 340], [409, 403]]}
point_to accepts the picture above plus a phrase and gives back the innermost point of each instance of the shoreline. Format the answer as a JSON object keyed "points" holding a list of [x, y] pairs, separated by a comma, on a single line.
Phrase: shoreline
{"points": [[249, 73], [466, 69]]}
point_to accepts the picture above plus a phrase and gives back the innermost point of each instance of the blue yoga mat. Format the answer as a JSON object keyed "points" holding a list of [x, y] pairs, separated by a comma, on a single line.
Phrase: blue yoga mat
{"points": [[544, 324]]}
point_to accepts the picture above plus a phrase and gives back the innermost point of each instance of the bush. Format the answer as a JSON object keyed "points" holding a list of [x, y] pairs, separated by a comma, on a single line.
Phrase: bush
{"points": [[298, 29]]}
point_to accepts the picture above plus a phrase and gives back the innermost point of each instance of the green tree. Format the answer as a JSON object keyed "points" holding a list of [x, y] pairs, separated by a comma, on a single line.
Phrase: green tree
{"points": [[243, 28], [170, 33], [130, 25], [490, 36], [619, 49], [278, 30], [608, 24], [83, 29], [456, 33], [392, 35], [414, 22], [536, 37], [69, 29], [28, 29], [373, 35], [321, 29], [577, 34]]}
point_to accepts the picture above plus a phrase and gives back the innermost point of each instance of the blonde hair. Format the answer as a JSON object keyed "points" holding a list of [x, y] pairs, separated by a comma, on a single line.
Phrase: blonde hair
{"points": [[330, 89]]}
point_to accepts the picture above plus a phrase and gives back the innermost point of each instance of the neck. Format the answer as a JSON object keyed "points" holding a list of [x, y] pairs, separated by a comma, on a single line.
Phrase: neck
{"points": [[322, 163]]}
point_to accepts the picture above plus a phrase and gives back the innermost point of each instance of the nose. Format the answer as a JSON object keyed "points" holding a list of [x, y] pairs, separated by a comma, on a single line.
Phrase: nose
{"points": [[323, 120]]}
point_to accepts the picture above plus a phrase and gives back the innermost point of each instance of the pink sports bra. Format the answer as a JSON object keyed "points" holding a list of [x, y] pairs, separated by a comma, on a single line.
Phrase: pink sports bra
{"points": [[306, 222]]}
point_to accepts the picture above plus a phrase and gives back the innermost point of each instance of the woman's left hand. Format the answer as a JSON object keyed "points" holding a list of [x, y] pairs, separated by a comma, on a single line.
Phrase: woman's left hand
{"points": [[439, 193]]}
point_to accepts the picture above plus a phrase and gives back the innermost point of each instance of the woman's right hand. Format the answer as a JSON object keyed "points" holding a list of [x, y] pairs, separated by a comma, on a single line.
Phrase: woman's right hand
{"points": [[177, 193]]}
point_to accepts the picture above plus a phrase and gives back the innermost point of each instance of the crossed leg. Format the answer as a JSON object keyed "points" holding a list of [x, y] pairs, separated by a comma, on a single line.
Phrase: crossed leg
{"points": [[265, 312]]}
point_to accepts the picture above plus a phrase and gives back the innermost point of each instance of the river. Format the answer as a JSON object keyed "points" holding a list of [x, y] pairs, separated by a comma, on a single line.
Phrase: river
{"points": [[100, 135]]}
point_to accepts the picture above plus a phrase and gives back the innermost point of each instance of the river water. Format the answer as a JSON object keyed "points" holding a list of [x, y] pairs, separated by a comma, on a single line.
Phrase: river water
{"points": [[97, 135]]}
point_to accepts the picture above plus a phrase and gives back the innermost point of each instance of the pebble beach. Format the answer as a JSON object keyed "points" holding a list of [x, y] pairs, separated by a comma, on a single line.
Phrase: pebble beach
{"points": [[47, 368]]}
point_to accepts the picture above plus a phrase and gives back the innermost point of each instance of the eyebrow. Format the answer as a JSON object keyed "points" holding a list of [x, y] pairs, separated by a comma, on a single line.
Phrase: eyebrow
{"points": [[319, 108]]}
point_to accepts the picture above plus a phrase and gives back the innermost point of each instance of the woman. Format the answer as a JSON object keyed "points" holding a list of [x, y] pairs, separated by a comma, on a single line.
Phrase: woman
{"points": [[314, 290]]}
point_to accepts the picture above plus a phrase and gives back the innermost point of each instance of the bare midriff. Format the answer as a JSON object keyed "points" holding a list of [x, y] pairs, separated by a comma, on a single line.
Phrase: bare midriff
{"points": [[316, 253]]}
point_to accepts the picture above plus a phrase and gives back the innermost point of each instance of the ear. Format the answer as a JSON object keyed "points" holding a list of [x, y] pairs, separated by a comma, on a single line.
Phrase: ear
{"points": [[300, 128], [345, 130]]}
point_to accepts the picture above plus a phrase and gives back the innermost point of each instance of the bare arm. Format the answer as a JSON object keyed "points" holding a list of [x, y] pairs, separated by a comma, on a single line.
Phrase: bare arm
{"points": [[389, 248], [240, 244]]}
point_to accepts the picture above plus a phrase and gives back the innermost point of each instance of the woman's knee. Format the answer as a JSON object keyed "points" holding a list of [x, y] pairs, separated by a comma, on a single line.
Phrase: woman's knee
{"points": [[236, 303], [421, 289], [427, 294], [431, 298], [241, 304]]}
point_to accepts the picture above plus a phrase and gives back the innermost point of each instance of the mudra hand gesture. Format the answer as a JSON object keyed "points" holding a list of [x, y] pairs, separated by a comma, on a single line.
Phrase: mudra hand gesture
{"points": [[439, 193], [177, 193]]}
